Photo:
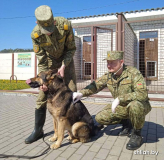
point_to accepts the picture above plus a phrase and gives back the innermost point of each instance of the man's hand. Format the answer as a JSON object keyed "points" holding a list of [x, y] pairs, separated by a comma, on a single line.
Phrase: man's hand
{"points": [[76, 96], [43, 88], [61, 71], [115, 103]]}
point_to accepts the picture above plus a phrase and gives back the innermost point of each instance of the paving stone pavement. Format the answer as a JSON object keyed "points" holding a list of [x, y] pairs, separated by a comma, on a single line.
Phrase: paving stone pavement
{"points": [[17, 122]]}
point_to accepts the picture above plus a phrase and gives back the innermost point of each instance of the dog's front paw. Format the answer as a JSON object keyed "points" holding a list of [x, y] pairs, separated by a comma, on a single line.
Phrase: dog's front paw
{"points": [[52, 139], [54, 146]]}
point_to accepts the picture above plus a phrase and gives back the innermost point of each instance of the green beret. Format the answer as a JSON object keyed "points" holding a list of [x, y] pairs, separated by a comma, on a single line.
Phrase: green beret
{"points": [[114, 55]]}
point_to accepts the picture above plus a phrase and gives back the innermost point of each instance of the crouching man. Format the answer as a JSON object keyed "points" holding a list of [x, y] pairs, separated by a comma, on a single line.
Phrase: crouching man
{"points": [[131, 103]]}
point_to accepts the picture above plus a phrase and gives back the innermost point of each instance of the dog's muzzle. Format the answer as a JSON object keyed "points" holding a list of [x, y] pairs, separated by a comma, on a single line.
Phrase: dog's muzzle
{"points": [[32, 84]]}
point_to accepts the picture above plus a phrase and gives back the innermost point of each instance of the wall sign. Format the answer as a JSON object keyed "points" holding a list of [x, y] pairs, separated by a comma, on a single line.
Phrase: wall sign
{"points": [[24, 60]]}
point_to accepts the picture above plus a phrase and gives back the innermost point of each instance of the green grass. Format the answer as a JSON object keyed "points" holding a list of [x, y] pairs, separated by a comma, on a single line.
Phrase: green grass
{"points": [[6, 85]]}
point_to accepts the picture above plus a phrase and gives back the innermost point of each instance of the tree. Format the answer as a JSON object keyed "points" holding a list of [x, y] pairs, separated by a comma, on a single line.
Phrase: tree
{"points": [[15, 50]]}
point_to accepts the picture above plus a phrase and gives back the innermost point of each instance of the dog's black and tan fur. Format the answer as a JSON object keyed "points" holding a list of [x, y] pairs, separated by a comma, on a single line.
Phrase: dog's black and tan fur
{"points": [[66, 116]]}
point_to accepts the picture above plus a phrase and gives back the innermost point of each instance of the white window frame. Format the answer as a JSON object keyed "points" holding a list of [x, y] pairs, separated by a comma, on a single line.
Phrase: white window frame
{"points": [[155, 69]]}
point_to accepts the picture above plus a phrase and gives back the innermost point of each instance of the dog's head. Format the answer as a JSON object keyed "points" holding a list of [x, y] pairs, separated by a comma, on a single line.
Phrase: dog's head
{"points": [[45, 78]]}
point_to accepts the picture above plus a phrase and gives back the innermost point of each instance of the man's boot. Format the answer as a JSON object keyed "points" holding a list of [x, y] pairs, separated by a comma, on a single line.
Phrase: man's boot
{"points": [[135, 140], [40, 116], [127, 126]]}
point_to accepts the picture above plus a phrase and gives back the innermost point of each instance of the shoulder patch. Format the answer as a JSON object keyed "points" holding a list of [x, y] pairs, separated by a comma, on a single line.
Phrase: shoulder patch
{"points": [[140, 85], [65, 27], [36, 32], [36, 48], [36, 35]]}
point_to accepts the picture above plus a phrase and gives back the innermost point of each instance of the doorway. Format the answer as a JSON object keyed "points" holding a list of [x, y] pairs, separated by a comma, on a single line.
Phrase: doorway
{"points": [[148, 55]]}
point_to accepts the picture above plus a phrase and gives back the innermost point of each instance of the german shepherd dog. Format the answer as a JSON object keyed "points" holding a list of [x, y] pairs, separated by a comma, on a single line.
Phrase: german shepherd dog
{"points": [[74, 118]]}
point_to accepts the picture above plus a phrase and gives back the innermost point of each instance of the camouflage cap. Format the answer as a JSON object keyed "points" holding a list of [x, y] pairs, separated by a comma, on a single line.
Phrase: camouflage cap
{"points": [[45, 19], [114, 55]]}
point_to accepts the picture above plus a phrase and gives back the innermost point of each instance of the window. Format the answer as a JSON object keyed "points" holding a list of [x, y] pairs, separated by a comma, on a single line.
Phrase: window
{"points": [[151, 69], [87, 39], [87, 68], [149, 34]]}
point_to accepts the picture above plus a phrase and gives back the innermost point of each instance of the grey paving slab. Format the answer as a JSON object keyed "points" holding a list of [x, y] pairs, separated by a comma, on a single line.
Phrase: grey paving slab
{"points": [[17, 122]]}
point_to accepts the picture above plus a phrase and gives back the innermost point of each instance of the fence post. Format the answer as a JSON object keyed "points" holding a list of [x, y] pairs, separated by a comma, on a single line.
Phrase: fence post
{"points": [[35, 67], [12, 66]]}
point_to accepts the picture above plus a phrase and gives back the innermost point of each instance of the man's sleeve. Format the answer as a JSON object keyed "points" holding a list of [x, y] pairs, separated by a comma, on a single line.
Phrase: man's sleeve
{"points": [[70, 47], [140, 91], [41, 56], [95, 86]]}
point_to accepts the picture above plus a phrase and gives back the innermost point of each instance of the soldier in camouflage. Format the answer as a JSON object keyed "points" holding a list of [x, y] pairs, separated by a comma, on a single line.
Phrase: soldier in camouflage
{"points": [[131, 103], [54, 46]]}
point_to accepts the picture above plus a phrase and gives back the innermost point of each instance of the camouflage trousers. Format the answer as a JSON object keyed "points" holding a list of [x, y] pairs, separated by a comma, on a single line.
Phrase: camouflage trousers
{"points": [[135, 111], [69, 79]]}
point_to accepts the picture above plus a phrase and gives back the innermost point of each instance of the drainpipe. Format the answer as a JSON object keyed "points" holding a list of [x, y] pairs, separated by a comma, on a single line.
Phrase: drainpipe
{"points": [[95, 54], [119, 33], [92, 52]]}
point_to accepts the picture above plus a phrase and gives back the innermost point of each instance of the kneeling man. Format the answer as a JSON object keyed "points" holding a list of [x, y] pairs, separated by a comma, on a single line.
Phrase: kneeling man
{"points": [[131, 103]]}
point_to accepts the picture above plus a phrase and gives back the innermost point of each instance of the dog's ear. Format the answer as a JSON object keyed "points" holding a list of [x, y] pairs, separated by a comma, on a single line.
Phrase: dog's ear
{"points": [[51, 74], [54, 71]]}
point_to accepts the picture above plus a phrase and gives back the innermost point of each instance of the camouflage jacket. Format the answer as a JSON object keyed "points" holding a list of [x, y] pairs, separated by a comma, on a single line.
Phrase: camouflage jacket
{"points": [[128, 87], [59, 47]]}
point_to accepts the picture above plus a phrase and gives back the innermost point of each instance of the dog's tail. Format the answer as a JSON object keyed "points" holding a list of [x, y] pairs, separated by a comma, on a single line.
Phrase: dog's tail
{"points": [[96, 129]]}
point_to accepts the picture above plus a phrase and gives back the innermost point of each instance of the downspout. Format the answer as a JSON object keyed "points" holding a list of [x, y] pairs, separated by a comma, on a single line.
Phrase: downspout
{"points": [[120, 35]]}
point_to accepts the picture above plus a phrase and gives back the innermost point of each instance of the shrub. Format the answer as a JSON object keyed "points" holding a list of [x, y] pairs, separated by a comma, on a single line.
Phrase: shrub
{"points": [[6, 85]]}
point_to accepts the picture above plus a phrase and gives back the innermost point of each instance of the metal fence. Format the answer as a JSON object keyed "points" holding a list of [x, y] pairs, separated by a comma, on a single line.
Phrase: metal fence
{"points": [[142, 42], [92, 45]]}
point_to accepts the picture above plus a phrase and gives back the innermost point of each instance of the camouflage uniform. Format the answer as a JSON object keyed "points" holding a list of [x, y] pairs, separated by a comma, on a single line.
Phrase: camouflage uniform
{"points": [[55, 50], [54, 45], [130, 88]]}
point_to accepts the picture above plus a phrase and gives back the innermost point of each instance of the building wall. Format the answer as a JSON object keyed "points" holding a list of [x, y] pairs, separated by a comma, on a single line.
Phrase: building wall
{"points": [[153, 26], [157, 85]]}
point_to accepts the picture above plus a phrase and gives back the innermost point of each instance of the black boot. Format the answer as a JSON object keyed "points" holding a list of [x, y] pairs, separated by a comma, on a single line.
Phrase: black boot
{"points": [[135, 140], [40, 116], [127, 126]]}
